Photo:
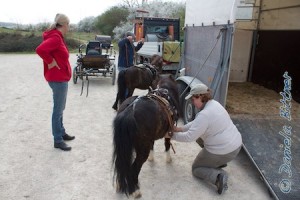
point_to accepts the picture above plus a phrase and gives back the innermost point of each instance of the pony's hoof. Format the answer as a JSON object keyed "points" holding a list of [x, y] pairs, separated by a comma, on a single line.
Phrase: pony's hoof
{"points": [[151, 156], [168, 159], [137, 194], [118, 188]]}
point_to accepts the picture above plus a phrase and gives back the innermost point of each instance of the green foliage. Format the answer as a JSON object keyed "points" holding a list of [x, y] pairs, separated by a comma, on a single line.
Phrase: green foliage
{"points": [[181, 14], [86, 25], [81, 37], [113, 22], [106, 22], [18, 41]]}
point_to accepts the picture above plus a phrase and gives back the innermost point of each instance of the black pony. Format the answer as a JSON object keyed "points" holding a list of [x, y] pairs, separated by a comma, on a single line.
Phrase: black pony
{"points": [[142, 76], [139, 122]]}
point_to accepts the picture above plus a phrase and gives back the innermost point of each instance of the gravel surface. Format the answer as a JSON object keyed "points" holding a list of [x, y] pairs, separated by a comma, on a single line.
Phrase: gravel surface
{"points": [[30, 168]]}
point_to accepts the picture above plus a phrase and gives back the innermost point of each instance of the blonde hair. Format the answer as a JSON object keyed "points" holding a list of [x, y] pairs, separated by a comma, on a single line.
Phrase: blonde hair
{"points": [[59, 20]]}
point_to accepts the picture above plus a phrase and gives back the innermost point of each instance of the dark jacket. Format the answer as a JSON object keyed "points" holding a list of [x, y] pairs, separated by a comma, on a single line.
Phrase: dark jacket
{"points": [[126, 52]]}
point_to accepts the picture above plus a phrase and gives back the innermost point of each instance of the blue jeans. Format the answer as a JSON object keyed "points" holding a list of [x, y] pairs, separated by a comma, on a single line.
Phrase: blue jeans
{"points": [[60, 90], [120, 68]]}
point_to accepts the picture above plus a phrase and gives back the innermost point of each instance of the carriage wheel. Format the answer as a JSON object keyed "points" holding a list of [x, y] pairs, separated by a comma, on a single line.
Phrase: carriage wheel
{"points": [[114, 74], [75, 77]]}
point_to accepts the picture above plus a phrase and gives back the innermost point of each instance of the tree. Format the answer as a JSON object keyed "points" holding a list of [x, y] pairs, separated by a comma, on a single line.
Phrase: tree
{"points": [[42, 26], [131, 3], [113, 17], [157, 8], [87, 24]]}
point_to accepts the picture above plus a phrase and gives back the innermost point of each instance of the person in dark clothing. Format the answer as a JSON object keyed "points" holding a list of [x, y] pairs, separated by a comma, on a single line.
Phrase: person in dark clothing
{"points": [[126, 56], [127, 50]]}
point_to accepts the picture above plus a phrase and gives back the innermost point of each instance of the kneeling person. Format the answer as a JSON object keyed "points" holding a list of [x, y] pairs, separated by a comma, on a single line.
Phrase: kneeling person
{"points": [[215, 132]]}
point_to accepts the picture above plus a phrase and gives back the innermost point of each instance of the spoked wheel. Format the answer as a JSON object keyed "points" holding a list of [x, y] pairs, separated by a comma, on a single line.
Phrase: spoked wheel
{"points": [[75, 77], [114, 74]]}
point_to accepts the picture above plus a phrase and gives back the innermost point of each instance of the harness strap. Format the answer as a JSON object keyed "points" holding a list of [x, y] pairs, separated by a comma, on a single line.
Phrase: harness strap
{"points": [[166, 105], [168, 110], [151, 69]]}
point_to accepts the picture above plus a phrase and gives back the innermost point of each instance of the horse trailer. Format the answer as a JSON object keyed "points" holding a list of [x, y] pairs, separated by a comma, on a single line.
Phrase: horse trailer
{"points": [[247, 52]]}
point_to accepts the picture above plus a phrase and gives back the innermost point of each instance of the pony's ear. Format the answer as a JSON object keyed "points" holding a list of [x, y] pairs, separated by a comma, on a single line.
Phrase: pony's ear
{"points": [[161, 61], [171, 76]]}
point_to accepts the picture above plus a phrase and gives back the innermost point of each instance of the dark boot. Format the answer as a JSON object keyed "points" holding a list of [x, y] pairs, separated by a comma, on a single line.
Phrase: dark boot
{"points": [[63, 146], [68, 137], [221, 183]]}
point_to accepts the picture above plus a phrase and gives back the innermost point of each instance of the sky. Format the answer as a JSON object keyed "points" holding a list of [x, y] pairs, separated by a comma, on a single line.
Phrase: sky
{"points": [[39, 11]]}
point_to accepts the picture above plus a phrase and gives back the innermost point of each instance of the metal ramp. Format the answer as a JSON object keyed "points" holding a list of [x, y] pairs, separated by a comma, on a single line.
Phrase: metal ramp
{"points": [[274, 147]]}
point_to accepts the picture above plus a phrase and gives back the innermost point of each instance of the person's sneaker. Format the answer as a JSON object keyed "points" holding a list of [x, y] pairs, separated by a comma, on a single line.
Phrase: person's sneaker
{"points": [[221, 183], [62, 146], [68, 137]]}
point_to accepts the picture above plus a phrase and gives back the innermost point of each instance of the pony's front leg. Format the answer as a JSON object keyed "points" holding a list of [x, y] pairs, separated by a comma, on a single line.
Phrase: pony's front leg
{"points": [[115, 106], [167, 146], [151, 154]]}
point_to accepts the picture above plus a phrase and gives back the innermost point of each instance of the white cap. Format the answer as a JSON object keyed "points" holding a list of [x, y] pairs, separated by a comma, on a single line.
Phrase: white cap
{"points": [[197, 89]]}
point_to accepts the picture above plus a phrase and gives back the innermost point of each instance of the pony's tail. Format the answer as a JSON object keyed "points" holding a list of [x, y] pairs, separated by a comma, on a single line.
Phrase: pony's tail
{"points": [[121, 86], [124, 133]]}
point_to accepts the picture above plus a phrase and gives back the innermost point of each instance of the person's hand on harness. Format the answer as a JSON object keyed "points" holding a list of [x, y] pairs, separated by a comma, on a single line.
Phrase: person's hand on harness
{"points": [[175, 129]]}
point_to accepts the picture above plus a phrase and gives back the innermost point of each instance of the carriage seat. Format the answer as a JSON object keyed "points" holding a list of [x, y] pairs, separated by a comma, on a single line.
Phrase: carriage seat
{"points": [[95, 61], [93, 48]]}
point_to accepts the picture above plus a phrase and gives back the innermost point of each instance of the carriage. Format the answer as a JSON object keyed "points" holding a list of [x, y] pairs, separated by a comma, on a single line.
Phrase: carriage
{"points": [[98, 60]]}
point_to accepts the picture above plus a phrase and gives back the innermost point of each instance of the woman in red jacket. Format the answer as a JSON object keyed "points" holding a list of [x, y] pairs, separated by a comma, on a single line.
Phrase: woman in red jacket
{"points": [[57, 71]]}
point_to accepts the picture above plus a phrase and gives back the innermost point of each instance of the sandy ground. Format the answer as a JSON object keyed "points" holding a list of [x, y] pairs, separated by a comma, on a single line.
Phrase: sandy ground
{"points": [[30, 168]]}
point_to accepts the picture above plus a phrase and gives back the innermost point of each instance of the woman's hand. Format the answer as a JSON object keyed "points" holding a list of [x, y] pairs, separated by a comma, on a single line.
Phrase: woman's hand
{"points": [[53, 64], [177, 129]]}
